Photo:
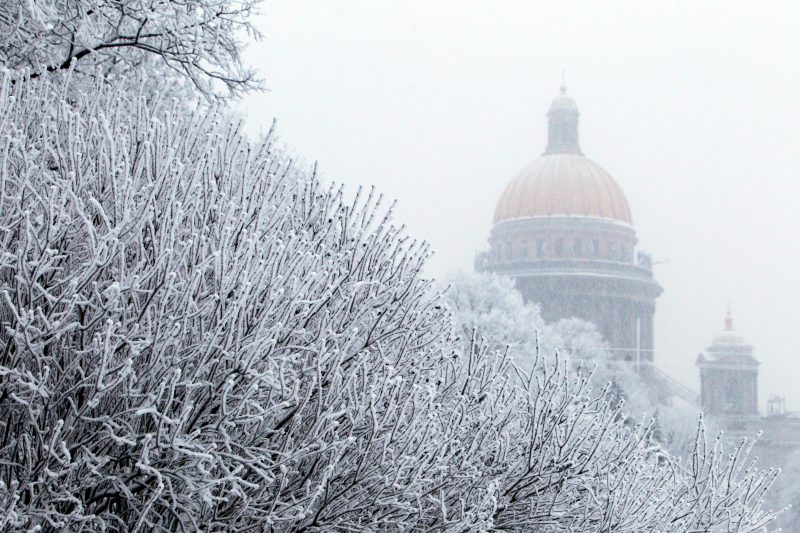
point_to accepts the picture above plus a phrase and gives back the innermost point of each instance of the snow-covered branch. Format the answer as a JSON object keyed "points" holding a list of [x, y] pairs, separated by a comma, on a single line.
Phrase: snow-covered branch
{"points": [[198, 40]]}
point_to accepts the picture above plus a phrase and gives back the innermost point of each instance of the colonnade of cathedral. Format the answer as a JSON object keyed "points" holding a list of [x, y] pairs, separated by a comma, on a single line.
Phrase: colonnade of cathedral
{"points": [[623, 317]]}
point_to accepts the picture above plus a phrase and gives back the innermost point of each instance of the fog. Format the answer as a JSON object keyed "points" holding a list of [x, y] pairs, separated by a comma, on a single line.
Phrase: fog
{"points": [[692, 107]]}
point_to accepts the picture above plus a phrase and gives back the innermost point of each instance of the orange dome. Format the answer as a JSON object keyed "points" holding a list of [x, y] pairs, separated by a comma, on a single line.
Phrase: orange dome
{"points": [[563, 184]]}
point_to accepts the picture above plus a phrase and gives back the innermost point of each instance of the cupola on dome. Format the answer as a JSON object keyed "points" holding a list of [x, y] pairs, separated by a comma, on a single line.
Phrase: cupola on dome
{"points": [[563, 101], [728, 335], [563, 182]]}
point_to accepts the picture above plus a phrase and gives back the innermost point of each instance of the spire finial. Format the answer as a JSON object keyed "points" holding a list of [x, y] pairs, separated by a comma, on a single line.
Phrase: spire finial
{"points": [[563, 82], [728, 319]]}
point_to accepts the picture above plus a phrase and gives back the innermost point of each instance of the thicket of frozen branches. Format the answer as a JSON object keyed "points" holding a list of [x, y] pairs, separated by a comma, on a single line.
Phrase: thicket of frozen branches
{"points": [[491, 304], [194, 41], [196, 335]]}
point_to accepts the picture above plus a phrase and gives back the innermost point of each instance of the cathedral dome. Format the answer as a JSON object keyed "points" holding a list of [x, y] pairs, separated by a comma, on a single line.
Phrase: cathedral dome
{"points": [[565, 184], [562, 231]]}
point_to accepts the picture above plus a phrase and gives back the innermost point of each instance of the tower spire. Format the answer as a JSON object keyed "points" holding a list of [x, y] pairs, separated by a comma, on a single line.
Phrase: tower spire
{"points": [[728, 319]]}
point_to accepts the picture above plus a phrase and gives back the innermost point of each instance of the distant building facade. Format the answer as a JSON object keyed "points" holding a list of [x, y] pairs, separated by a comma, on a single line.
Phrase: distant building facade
{"points": [[729, 395], [729, 376], [563, 231], [729, 398]]}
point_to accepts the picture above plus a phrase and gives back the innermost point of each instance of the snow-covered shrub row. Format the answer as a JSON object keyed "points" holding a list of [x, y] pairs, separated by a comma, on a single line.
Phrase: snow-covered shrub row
{"points": [[198, 336]]}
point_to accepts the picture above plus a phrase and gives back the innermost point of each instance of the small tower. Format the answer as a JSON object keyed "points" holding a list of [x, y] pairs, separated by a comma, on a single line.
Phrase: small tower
{"points": [[729, 375]]}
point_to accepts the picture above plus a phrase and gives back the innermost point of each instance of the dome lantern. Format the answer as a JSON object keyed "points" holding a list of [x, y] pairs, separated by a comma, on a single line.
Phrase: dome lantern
{"points": [[562, 125], [728, 336]]}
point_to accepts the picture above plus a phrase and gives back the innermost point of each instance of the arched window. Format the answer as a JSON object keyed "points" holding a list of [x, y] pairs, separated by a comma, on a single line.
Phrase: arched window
{"points": [[733, 396]]}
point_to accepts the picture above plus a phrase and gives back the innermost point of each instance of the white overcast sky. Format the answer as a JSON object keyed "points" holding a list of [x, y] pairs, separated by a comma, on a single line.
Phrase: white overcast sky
{"points": [[694, 108]]}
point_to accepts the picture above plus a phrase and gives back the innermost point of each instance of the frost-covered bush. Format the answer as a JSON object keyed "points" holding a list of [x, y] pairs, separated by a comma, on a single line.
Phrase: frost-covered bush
{"points": [[198, 336]]}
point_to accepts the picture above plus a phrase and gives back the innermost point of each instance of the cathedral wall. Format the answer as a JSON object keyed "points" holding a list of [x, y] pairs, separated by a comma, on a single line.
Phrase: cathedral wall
{"points": [[624, 322]]}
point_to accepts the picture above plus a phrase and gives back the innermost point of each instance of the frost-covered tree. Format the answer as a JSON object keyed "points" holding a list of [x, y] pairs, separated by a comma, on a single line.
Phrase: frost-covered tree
{"points": [[197, 335], [584, 343], [194, 41], [491, 304]]}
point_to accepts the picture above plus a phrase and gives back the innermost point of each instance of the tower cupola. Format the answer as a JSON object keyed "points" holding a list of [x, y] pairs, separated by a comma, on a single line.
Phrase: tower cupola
{"points": [[562, 125], [729, 375]]}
